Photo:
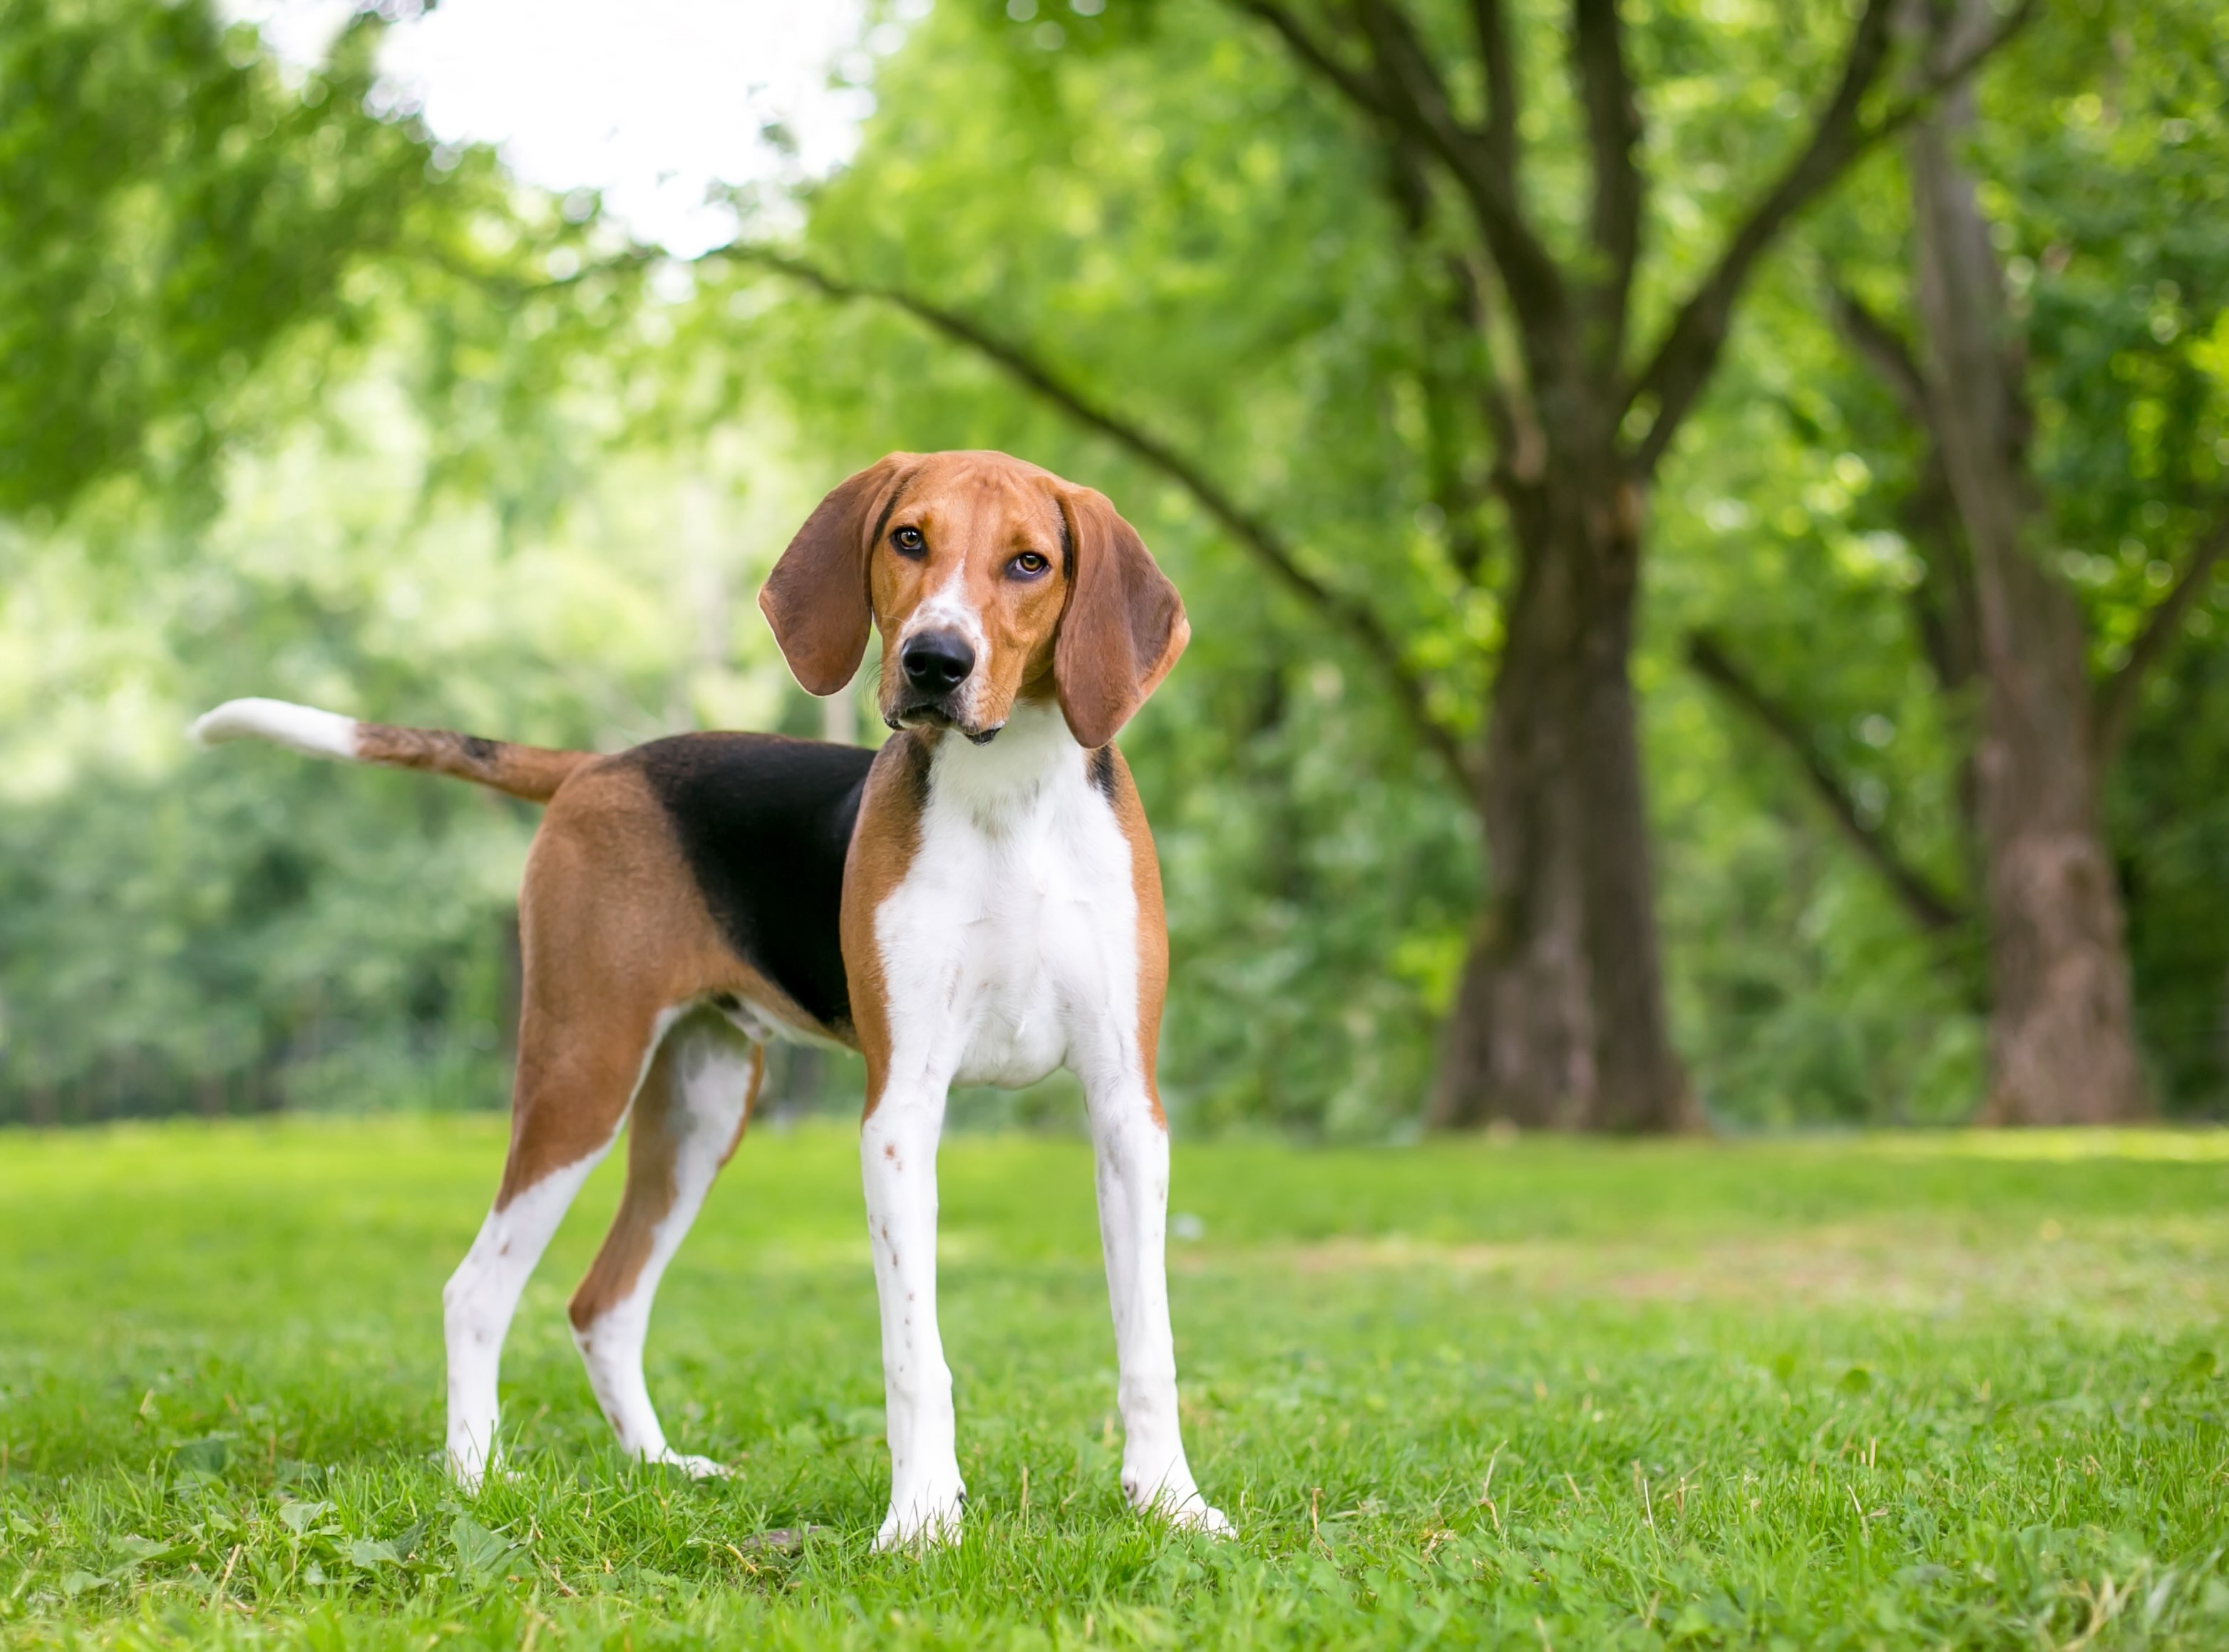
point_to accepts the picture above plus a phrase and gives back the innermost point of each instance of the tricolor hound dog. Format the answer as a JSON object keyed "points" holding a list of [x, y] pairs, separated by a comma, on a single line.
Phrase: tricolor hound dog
{"points": [[978, 902]]}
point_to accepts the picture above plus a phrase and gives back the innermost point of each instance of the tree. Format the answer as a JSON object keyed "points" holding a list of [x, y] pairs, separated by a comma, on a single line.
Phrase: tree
{"points": [[1999, 620], [1547, 425]]}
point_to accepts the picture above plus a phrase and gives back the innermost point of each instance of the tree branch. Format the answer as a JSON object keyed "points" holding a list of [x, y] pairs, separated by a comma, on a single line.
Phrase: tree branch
{"points": [[1407, 92], [1612, 133], [1878, 344], [1319, 58], [1950, 74], [2114, 705], [1490, 27], [1461, 310], [1932, 909], [1684, 362], [1254, 535], [1528, 272]]}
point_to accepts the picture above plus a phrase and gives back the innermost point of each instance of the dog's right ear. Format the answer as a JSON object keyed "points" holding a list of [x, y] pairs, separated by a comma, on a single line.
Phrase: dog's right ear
{"points": [[816, 598]]}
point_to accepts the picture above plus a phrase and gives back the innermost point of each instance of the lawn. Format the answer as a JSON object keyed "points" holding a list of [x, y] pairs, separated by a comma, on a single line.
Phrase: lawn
{"points": [[1866, 1392]]}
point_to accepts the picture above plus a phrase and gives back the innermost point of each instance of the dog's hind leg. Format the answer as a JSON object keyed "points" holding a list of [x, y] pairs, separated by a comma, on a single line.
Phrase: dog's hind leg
{"points": [[575, 1079], [687, 1122]]}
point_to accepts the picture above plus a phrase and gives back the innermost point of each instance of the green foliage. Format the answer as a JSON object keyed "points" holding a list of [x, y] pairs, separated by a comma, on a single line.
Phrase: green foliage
{"points": [[378, 501], [1903, 1392], [171, 208], [1175, 220], [2171, 803], [2117, 199], [406, 439], [2105, 162], [243, 929]]}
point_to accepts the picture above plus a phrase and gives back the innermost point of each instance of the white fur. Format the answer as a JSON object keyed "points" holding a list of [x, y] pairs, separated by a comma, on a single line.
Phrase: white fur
{"points": [[301, 729], [1010, 948], [946, 608], [478, 1303], [711, 1070], [482, 1295]]}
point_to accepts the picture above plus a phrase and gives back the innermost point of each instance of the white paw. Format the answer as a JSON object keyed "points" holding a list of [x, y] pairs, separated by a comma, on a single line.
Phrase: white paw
{"points": [[468, 1467], [931, 1515], [473, 1482], [1178, 1501], [689, 1463], [1198, 1515]]}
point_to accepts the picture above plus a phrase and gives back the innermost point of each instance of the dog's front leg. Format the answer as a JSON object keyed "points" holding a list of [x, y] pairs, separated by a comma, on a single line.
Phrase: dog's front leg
{"points": [[898, 1159], [1131, 1145]]}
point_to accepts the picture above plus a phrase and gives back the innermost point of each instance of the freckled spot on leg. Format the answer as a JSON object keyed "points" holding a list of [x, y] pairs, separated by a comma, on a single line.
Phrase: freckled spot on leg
{"points": [[890, 1151]]}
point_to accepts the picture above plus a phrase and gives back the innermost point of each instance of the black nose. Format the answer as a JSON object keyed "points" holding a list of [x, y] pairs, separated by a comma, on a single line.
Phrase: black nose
{"points": [[938, 662]]}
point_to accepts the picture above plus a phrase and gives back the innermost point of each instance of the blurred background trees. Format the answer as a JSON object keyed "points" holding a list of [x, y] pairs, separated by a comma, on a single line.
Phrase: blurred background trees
{"points": [[1399, 332]]}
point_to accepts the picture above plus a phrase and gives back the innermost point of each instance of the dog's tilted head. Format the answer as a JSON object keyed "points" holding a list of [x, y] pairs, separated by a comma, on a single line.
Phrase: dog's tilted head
{"points": [[991, 581]]}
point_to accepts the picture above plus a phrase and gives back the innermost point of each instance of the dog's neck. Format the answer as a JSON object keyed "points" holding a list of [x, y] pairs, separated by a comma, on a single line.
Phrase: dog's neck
{"points": [[1001, 781]]}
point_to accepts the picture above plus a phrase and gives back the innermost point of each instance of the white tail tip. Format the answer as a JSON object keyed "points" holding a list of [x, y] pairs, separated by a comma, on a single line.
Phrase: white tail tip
{"points": [[301, 728]]}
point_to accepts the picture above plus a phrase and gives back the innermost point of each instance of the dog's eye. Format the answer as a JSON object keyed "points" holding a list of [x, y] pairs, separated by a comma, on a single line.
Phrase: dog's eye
{"points": [[1029, 565], [908, 542]]}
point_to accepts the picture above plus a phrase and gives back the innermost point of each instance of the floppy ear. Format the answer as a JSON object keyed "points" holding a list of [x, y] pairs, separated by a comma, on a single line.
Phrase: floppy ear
{"points": [[816, 598], [1124, 626]]}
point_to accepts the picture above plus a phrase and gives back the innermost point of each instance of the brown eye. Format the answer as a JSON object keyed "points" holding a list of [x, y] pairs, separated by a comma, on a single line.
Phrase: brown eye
{"points": [[908, 542], [1029, 565]]}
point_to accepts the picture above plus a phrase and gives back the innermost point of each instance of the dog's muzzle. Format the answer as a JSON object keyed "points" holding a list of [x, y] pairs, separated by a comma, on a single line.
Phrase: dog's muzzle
{"points": [[937, 665]]}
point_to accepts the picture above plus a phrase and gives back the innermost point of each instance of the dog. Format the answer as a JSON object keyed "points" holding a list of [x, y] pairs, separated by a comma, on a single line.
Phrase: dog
{"points": [[976, 902]]}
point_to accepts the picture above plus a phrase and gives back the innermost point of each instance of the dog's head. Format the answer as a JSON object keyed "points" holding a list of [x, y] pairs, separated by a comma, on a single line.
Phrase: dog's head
{"points": [[991, 581]]}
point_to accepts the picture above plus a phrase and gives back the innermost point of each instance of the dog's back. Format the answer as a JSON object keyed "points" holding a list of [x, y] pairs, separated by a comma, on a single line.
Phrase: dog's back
{"points": [[763, 823]]}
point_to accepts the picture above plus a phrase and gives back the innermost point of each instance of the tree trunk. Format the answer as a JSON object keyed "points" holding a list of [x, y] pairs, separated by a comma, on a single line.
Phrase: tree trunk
{"points": [[1520, 1040], [1639, 1083], [1559, 1021], [2062, 1047], [2062, 1044]]}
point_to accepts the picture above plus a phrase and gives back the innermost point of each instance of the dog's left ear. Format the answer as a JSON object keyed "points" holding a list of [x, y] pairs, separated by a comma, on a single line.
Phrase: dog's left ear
{"points": [[1124, 626], [816, 598]]}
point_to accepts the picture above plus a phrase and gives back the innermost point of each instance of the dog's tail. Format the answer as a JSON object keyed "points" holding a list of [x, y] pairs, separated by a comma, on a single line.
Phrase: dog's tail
{"points": [[533, 773]]}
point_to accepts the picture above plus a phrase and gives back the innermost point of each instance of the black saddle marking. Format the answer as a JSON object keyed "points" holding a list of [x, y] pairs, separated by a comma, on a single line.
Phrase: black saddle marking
{"points": [[764, 824]]}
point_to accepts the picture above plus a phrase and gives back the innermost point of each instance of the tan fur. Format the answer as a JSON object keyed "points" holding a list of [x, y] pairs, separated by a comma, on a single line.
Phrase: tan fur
{"points": [[977, 511], [816, 598], [1098, 629], [653, 1143], [883, 844], [1152, 927], [1124, 627], [532, 773], [613, 933], [750, 1101]]}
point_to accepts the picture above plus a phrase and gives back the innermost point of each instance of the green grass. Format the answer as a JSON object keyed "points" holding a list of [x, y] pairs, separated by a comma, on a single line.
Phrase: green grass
{"points": [[1895, 1391]]}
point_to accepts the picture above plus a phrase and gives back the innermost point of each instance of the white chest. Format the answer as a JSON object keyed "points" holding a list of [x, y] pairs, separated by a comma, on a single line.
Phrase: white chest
{"points": [[1011, 947]]}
